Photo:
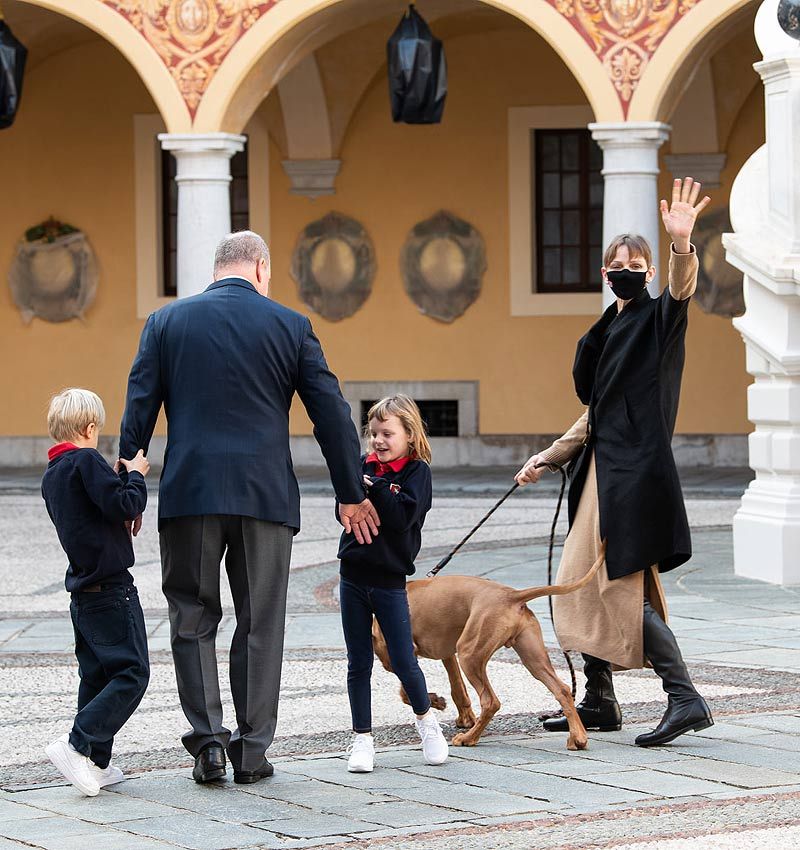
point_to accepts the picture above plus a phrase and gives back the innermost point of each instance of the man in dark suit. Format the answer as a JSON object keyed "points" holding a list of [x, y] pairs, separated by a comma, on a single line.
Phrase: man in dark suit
{"points": [[225, 364]]}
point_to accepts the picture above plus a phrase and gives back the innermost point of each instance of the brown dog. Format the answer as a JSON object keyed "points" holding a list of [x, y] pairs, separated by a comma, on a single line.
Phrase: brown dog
{"points": [[463, 621]]}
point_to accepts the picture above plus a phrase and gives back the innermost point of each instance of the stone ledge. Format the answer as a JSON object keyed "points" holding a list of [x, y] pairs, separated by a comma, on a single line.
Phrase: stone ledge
{"points": [[482, 450]]}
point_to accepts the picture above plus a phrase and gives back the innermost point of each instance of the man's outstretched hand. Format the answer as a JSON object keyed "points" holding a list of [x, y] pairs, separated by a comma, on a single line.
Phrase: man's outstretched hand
{"points": [[362, 519]]}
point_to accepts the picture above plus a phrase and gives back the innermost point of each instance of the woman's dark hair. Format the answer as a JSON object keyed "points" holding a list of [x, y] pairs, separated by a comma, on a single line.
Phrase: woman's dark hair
{"points": [[637, 246]]}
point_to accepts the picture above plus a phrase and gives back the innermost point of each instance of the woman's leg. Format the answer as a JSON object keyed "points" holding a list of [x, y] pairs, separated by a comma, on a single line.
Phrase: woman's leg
{"points": [[686, 709], [357, 612], [599, 710], [391, 609]]}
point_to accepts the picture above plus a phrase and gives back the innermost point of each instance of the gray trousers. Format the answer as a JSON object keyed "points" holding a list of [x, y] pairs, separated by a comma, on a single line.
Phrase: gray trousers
{"points": [[257, 557]]}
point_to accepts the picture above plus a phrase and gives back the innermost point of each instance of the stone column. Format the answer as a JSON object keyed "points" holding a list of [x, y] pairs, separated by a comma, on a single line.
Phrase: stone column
{"points": [[630, 169], [204, 209], [765, 213]]}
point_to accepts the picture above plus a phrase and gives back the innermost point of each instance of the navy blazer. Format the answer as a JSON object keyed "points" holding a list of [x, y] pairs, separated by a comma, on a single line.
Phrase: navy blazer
{"points": [[225, 364]]}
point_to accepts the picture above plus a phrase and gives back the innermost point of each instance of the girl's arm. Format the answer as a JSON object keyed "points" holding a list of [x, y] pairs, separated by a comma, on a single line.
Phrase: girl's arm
{"points": [[402, 510]]}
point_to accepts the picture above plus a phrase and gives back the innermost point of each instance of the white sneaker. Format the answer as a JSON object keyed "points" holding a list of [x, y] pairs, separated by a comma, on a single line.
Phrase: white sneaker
{"points": [[434, 745], [75, 767], [106, 776], [362, 754]]}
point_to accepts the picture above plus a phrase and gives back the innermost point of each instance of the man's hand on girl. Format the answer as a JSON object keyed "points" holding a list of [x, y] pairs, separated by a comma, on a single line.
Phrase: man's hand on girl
{"points": [[680, 216], [362, 519]]}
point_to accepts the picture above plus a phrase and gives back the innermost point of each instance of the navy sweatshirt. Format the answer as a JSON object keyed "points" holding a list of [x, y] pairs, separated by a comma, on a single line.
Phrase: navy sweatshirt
{"points": [[402, 499], [89, 504]]}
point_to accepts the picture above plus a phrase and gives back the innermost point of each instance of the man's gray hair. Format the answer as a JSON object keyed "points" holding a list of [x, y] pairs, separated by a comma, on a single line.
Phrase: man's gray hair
{"points": [[244, 246]]}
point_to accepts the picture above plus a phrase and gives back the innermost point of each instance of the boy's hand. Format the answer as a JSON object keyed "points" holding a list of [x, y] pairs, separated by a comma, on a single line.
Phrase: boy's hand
{"points": [[139, 464], [367, 482], [133, 526]]}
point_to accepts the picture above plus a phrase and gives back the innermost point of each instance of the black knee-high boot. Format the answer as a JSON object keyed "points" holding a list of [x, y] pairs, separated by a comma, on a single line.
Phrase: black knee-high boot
{"points": [[686, 709], [599, 710]]}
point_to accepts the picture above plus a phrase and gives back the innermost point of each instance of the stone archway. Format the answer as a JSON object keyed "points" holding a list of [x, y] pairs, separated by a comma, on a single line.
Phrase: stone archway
{"points": [[117, 30], [282, 38], [673, 62]]}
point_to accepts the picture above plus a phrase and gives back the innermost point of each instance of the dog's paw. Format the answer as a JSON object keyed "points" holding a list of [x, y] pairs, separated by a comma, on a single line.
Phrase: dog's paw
{"points": [[437, 702], [463, 740], [465, 721], [574, 743]]}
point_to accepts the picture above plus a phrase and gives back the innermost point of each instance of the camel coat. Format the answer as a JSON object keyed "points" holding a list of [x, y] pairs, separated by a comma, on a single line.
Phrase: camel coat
{"points": [[604, 619]]}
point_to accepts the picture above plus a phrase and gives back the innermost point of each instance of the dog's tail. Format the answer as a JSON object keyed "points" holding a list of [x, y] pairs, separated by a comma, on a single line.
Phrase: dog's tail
{"points": [[530, 593]]}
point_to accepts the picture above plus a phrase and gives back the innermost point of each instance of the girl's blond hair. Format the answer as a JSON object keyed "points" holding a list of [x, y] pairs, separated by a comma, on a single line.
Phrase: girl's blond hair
{"points": [[406, 410], [72, 411]]}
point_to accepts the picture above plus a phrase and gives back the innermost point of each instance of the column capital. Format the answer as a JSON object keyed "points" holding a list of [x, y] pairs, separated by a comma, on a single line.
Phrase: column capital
{"points": [[224, 143], [630, 133]]}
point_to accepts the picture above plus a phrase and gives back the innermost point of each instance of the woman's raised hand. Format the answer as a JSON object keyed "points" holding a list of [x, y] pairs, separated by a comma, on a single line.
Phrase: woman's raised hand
{"points": [[529, 474], [679, 216]]}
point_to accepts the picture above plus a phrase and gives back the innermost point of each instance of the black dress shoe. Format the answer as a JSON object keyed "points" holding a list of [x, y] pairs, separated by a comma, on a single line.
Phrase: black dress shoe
{"points": [[686, 709], [599, 710], [680, 717], [603, 717], [248, 777], [209, 764]]}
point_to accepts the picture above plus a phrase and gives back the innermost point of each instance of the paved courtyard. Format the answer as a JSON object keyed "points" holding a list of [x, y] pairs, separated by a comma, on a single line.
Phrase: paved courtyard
{"points": [[736, 785]]}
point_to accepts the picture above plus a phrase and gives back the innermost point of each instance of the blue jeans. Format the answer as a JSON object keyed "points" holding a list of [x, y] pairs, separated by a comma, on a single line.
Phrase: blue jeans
{"points": [[358, 604], [111, 648]]}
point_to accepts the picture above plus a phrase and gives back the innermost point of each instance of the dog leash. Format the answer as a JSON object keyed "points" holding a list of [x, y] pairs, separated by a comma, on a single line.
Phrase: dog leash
{"points": [[551, 547]]}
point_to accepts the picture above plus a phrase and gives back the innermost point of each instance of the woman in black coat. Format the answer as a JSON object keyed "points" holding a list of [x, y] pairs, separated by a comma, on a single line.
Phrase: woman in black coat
{"points": [[624, 487]]}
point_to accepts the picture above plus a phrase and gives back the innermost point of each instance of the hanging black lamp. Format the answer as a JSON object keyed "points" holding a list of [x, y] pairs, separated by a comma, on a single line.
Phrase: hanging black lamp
{"points": [[417, 72], [12, 68]]}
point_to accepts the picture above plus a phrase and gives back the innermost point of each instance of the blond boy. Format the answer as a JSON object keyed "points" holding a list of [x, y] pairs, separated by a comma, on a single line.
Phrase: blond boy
{"points": [[90, 506]]}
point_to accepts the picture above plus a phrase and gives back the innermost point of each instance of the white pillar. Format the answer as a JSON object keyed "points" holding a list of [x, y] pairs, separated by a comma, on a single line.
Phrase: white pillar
{"points": [[630, 169], [765, 213], [204, 210]]}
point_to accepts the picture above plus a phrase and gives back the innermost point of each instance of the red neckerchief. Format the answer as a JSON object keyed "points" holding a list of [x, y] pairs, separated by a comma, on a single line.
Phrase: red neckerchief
{"points": [[393, 466], [59, 449]]}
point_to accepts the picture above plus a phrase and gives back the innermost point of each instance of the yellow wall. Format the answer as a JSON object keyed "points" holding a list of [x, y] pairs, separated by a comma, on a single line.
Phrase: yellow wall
{"points": [[394, 176], [70, 154], [714, 393]]}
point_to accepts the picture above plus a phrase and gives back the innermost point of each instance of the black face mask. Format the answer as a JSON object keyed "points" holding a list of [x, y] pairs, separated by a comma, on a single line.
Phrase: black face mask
{"points": [[627, 284]]}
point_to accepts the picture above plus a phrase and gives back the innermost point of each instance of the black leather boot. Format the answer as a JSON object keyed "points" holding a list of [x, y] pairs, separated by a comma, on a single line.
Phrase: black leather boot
{"points": [[598, 710], [686, 709]]}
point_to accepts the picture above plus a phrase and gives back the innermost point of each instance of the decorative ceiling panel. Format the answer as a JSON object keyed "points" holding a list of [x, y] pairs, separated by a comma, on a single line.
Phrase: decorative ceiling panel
{"points": [[192, 37], [624, 34]]}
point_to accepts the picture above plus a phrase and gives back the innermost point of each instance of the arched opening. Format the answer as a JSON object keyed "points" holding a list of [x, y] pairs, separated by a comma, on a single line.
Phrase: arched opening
{"points": [[291, 31], [114, 29], [714, 103], [71, 154], [394, 177]]}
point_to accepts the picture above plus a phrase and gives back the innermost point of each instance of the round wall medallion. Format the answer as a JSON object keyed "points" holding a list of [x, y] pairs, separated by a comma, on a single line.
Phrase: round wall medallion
{"points": [[54, 277], [442, 264], [333, 265]]}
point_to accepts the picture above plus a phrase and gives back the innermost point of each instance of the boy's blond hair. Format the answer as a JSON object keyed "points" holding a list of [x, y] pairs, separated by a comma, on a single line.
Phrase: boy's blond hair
{"points": [[406, 410], [72, 411]]}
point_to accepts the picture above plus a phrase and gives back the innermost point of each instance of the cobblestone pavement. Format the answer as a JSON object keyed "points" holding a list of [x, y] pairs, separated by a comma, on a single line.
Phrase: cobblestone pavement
{"points": [[736, 785]]}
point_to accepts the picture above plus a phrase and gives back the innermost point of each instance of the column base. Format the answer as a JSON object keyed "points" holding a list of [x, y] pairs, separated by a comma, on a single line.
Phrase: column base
{"points": [[766, 533]]}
